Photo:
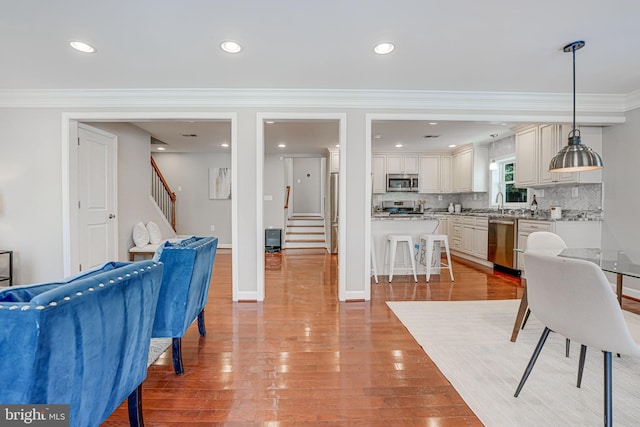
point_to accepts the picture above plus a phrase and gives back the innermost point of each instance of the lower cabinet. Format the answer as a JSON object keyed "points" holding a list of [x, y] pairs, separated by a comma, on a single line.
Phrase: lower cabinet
{"points": [[576, 234], [470, 235]]}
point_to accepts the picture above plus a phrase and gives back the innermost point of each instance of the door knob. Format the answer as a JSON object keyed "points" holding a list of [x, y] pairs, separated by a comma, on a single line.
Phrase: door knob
{"points": [[111, 216]]}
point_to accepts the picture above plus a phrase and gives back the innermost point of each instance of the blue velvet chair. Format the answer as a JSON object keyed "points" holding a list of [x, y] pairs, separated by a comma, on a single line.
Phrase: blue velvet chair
{"points": [[83, 341], [185, 289]]}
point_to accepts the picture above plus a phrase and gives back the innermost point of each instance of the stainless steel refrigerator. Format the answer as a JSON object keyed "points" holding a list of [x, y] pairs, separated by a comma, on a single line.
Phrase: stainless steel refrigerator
{"points": [[333, 211]]}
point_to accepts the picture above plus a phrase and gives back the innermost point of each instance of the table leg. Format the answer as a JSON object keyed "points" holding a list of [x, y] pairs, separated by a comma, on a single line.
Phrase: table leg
{"points": [[619, 288], [524, 304]]}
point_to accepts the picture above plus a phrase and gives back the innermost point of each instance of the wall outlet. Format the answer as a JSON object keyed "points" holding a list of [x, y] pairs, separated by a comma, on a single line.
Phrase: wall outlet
{"points": [[540, 193], [475, 196], [440, 197], [574, 192], [212, 227], [179, 188]]}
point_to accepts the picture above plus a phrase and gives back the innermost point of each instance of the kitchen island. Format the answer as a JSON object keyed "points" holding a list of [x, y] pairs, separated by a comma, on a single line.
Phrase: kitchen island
{"points": [[413, 225]]}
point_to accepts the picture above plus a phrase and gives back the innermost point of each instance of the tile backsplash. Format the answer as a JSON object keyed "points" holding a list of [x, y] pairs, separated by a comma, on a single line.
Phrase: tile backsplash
{"points": [[583, 197]]}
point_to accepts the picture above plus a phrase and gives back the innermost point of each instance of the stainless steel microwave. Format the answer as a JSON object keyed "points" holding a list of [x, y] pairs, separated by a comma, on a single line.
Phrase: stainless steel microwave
{"points": [[402, 182]]}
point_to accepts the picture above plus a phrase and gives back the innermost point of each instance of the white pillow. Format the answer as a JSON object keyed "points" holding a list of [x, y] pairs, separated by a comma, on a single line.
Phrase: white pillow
{"points": [[155, 235], [140, 235]]}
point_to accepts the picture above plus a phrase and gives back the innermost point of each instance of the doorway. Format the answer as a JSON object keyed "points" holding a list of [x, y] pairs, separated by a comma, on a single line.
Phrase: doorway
{"points": [[70, 126], [295, 139]]}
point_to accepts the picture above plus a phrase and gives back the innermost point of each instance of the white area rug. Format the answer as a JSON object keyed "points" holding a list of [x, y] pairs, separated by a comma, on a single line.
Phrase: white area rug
{"points": [[469, 342], [157, 347]]}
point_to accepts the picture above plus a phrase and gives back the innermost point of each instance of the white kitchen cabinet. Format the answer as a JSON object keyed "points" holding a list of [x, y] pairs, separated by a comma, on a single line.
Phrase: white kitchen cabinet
{"points": [[410, 163], [378, 170], [536, 146], [527, 158], [429, 177], [435, 174], [443, 225], [402, 163], [576, 234], [334, 159], [469, 235], [480, 238], [445, 174], [470, 169]]}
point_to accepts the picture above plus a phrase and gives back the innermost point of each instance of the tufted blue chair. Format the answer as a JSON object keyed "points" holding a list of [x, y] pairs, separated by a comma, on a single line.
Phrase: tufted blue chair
{"points": [[185, 288], [83, 341]]}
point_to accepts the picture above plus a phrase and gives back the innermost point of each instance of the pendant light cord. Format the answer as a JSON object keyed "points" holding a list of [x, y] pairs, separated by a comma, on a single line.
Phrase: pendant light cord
{"points": [[573, 131]]}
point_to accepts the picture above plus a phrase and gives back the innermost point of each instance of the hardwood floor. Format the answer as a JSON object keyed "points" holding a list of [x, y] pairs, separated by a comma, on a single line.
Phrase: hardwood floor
{"points": [[303, 358]]}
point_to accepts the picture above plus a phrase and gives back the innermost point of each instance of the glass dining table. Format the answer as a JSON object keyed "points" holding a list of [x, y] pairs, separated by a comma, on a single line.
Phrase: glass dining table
{"points": [[616, 262]]}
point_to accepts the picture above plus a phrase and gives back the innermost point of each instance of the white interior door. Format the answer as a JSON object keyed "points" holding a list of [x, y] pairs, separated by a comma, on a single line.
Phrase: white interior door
{"points": [[97, 161]]}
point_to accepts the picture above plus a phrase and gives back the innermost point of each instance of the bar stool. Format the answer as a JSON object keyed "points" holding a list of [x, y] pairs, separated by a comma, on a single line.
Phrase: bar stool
{"points": [[374, 265], [428, 245], [391, 247]]}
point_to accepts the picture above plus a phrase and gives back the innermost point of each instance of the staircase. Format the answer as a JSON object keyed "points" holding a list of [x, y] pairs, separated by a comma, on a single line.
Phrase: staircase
{"points": [[305, 232]]}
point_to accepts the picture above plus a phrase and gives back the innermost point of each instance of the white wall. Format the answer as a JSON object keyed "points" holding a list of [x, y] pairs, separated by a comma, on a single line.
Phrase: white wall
{"points": [[31, 193], [31, 179], [621, 151], [274, 191], [307, 179], [188, 176]]}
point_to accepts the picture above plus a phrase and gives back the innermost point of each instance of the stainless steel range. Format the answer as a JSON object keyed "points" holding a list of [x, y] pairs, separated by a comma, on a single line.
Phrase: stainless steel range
{"points": [[400, 207]]}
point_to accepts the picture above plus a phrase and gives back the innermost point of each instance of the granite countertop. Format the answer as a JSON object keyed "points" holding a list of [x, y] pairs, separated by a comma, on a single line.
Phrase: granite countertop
{"points": [[543, 216]]}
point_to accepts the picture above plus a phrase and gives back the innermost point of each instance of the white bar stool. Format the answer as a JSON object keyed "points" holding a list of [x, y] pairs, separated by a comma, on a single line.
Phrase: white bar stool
{"points": [[428, 246], [374, 265], [391, 247]]}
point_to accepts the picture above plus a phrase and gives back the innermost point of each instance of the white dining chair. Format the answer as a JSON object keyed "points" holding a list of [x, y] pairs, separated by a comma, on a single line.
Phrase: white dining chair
{"points": [[545, 242], [574, 298]]}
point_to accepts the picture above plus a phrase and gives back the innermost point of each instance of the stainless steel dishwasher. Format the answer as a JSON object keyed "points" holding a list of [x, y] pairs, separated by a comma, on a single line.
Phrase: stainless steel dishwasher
{"points": [[503, 233]]}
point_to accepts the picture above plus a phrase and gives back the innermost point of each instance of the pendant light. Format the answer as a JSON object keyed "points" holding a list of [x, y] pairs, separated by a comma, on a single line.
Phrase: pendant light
{"points": [[575, 157]]}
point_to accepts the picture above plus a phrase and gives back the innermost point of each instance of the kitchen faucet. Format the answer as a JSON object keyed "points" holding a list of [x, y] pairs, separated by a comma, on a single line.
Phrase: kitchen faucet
{"points": [[501, 202]]}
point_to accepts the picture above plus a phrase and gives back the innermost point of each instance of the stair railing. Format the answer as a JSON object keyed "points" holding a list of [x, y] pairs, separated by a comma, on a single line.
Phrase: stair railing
{"points": [[162, 194]]}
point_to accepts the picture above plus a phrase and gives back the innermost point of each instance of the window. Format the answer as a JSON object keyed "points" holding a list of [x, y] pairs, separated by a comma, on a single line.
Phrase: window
{"points": [[503, 180]]}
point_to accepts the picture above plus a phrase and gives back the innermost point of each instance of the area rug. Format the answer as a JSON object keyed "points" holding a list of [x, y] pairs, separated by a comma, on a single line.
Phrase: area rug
{"points": [[157, 347], [469, 342]]}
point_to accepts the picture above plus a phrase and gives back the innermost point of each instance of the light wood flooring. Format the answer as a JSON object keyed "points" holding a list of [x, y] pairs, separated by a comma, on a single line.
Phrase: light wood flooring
{"points": [[302, 358]]}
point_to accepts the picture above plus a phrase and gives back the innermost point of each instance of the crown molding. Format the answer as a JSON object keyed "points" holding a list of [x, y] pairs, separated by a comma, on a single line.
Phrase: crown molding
{"points": [[402, 99], [633, 100]]}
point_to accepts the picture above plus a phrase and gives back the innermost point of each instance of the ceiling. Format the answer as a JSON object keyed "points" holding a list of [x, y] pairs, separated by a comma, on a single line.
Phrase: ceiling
{"points": [[488, 46]]}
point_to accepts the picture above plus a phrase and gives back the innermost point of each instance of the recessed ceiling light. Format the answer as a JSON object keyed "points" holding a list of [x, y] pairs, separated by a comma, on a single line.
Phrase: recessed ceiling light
{"points": [[452, 145], [377, 136], [398, 145], [282, 145], [224, 144], [433, 123], [337, 145], [384, 48], [230, 46], [82, 47], [160, 148]]}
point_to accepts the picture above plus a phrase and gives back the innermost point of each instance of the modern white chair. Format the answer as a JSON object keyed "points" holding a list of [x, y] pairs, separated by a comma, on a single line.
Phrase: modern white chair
{"points": [[574, 298], [544, 242]]}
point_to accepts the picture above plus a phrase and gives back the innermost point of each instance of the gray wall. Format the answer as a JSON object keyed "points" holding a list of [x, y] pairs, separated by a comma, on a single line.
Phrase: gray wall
{"points": [[307, 179], [622, 185], [274, 191], [188, 176], [32, 165]]}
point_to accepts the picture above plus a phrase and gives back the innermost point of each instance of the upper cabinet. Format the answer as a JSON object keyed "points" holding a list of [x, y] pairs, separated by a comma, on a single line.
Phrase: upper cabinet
{"points": [[435, 174], [334, 161], [470, 169], [536, 146], [402, 163]]}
